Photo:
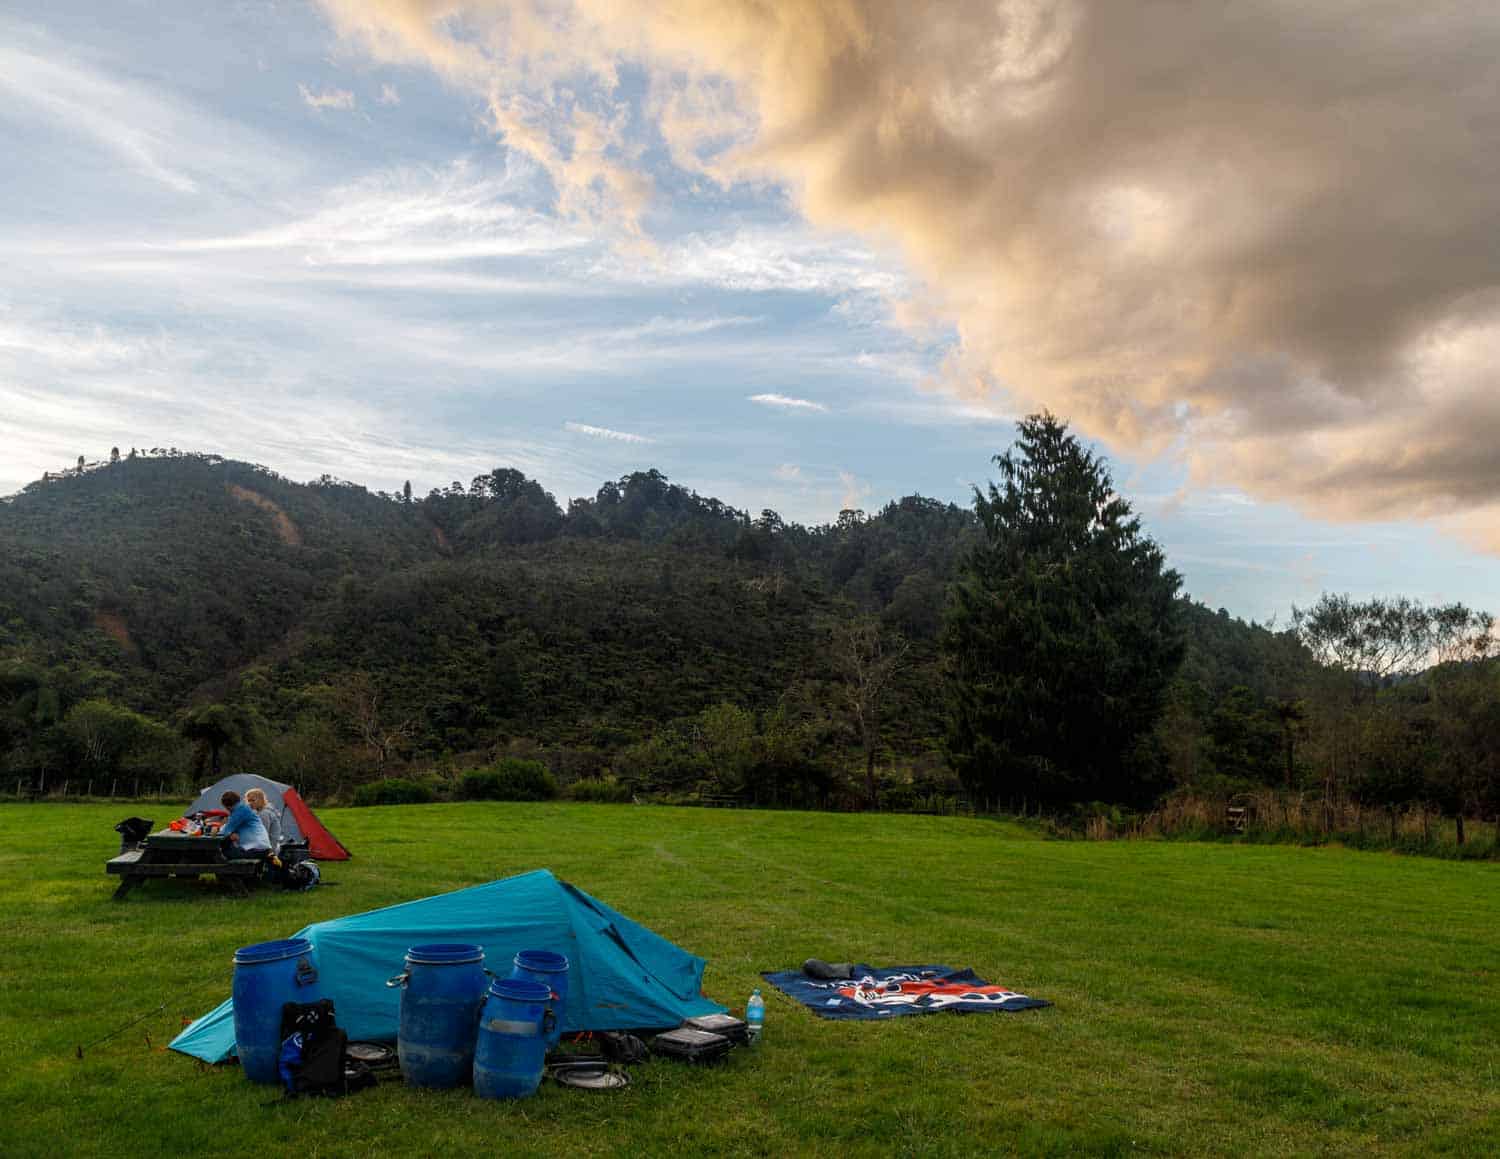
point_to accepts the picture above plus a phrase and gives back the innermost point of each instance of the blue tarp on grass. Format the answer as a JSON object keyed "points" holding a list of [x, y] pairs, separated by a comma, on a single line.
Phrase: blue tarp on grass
{"points": [[621, 975], [892, 991]]}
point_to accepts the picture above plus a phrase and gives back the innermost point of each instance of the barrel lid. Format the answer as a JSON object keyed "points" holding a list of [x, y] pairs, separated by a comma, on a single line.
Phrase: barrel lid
{"points": [[542, 961], [520, 990], [445, 954], [272, 951]]}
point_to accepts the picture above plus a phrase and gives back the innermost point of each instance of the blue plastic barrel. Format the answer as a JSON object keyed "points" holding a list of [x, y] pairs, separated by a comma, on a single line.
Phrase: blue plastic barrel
{"points": [[551, 970], [512, 1045], [266, 976], [442, 991]]}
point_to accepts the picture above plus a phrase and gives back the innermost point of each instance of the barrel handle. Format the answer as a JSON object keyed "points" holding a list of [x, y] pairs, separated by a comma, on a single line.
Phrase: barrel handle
{"points": [[398, 980], [307, 973], [549, 1020]]}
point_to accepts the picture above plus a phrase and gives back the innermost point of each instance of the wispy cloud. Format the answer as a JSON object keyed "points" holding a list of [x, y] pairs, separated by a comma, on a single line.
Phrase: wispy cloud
{"points": [[937, 410], [605, 433], [788, 472], [147, 131], [405, 217], [88, 348], [326, 98], [388, 95], [663, 327], [758, 260], [128, 124], [856, 490], [786, 402]]}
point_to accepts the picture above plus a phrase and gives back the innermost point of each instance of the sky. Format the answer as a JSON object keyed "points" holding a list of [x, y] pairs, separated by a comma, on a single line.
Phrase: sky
{"points": [[803, 257]]}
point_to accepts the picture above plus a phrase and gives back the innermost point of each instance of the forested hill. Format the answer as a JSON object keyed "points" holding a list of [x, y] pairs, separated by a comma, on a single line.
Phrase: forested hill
{"points": [[400, 628]]}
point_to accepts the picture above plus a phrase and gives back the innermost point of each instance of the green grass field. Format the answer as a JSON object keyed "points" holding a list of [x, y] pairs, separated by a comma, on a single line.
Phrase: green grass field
{"points": [[1210, 999]]}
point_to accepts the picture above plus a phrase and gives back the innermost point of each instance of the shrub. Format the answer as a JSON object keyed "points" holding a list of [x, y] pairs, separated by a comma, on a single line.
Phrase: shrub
{"points": [[394, 791], [897, 798], [663, 764], [511, 779], [600, 790]]}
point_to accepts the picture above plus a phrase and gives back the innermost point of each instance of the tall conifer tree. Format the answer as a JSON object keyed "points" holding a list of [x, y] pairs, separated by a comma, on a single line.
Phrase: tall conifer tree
{"points": [[1062, 635]]}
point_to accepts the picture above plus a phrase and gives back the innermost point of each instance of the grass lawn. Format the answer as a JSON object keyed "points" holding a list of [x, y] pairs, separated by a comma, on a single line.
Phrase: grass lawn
{"points": [[1210, 999]]}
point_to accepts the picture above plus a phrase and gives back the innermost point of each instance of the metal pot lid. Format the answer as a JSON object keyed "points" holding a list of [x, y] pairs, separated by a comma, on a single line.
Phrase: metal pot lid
{"points": [[590, 1076], [371, 1053]]}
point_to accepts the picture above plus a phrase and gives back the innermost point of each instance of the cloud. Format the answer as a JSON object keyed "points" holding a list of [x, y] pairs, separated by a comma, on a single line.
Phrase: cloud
{"points": [[786, 403], [327, 98], [173, 146], [856, 491], [89, 348], [938, 411], [388, 95], [788, 472], [408, 217], [605, 433], [757, 259], [1263, 232], [66, 391], [663, 327]]}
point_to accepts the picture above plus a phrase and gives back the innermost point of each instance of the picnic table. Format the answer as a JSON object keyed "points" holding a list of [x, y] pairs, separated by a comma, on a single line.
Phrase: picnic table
{"points": [[169, 854]]}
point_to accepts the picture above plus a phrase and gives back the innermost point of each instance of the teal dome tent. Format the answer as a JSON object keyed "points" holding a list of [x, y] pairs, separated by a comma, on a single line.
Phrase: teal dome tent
{"points": [[622, 976]]}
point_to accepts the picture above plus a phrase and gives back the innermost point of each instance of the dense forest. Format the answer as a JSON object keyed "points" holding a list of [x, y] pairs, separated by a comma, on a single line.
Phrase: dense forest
{"points": [[163, 613]]}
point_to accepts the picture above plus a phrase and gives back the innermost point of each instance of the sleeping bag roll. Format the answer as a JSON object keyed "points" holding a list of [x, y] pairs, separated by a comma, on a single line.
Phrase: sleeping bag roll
{"points": [[266, 977], [441, 993]]}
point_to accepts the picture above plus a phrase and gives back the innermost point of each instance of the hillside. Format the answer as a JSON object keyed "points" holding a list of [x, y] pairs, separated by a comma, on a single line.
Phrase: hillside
{"points": [[356, 633]]}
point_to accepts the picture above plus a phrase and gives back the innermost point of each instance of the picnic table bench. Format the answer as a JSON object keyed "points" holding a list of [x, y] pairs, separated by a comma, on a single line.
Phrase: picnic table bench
{"points": [[168, 854]]}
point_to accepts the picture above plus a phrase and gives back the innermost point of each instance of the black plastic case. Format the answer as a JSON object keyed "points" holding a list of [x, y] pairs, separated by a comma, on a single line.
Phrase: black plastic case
{"points": [[732, 1028], [691, 1045]]}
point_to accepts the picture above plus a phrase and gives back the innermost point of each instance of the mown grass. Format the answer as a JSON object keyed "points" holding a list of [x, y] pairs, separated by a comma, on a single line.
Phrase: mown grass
{"points": [[1210, 999]]}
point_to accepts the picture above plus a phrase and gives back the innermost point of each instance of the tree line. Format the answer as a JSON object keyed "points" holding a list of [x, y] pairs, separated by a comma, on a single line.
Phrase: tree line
{"points": [[1033, 653]]}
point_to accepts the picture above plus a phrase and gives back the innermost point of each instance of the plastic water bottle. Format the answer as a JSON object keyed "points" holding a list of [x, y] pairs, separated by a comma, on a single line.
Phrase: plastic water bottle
{"points": [[755, 1015]]}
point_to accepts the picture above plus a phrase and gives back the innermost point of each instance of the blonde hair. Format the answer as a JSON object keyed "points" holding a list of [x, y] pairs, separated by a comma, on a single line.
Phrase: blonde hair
{"points": [[256, 799]]}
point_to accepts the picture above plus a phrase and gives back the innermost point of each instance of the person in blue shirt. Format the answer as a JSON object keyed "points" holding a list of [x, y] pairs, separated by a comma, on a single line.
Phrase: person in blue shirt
{"points": [[247, 836]]}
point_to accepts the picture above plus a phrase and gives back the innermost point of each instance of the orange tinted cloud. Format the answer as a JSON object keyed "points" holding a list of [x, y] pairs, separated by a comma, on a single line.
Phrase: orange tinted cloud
{"points": [[1263, 234]]}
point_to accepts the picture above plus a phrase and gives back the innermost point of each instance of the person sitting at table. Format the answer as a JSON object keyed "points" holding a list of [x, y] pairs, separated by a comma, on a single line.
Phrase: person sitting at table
{"points": [[269, 817], [247, 836]]}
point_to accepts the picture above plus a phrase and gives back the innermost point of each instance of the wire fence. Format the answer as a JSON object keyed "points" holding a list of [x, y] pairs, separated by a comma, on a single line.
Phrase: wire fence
{"points": [[135, 788]]}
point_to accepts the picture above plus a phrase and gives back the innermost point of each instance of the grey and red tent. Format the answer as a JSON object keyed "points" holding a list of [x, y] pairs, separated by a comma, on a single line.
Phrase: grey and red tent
{"points": [[298, 822]]}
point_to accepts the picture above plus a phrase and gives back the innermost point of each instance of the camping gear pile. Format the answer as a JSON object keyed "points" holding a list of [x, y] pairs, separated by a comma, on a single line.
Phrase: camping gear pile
{"points": [[315, 1056], [576, 968], [202, 824]]}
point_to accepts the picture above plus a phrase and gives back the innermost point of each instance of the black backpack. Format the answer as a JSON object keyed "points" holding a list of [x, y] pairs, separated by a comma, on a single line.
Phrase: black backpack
{"points": [[314, 1054], [133, 831]]}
